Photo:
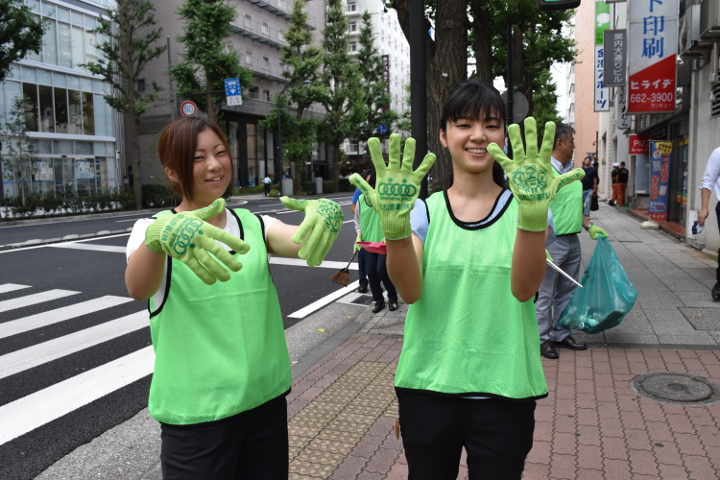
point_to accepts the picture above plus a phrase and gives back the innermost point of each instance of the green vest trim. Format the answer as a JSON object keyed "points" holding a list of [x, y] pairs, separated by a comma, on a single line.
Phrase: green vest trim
{"points": [[567, 208], [467, 335], [369, 222], [219, 349]]}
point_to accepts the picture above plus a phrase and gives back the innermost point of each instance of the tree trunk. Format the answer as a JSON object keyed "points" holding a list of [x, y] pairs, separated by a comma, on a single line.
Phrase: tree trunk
{"points": [[336, 165], [134, 147], [299, 162], [482, 43], [212, 115]]}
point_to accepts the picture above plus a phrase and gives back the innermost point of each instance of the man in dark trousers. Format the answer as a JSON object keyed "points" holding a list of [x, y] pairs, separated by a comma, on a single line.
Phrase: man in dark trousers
{"points": [[589, 185], [614, 176], [622, 179]]}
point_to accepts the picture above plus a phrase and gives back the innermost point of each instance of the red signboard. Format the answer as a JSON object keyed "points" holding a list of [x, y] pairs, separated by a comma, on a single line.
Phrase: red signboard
{"points": [[639, 144], [653, 89]]}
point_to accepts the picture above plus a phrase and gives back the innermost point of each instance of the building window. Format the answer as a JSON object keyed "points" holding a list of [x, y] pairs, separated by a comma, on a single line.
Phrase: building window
{"points": [[248, 22], [715, 104], [248, 57], [266, 95], [353, 47], [353, 27], [351, 7], [265, 28], [266, 62], [140, 85]]}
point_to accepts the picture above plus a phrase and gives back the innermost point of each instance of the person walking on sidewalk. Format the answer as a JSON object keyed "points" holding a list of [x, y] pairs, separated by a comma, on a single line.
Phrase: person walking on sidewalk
{"points": [[362, 272], [469, 262], [267, 182], [367, 229], [568, 218], [222, 369], [622, 180], [614, 176], [711, 183], [589, 185]]}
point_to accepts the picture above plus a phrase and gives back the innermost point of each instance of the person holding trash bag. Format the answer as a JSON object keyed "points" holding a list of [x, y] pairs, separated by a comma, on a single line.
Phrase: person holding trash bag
{"points": [[468, 261], [222, 369], [555, 290]]}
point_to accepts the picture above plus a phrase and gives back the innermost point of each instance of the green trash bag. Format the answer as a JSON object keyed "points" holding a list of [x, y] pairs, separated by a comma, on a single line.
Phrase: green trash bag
{"points": [[607, 294]]}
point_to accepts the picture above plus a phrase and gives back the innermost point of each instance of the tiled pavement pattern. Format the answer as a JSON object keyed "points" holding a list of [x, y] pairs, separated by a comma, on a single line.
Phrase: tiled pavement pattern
{"points": [[592, 425]]}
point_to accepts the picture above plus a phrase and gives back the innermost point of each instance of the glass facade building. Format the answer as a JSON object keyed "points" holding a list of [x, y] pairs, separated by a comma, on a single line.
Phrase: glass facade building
{"points": [[72, 128]]}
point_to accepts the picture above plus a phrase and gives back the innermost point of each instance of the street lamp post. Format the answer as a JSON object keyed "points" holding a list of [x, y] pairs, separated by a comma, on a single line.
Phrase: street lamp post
{"points": [[278, 157]]}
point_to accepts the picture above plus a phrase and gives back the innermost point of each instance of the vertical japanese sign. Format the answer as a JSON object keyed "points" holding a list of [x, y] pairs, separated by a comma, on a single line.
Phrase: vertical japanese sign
{"points": [[622, 119], [660, 158], [615, 46], [602, 23], [386, 77], [652, 51]]}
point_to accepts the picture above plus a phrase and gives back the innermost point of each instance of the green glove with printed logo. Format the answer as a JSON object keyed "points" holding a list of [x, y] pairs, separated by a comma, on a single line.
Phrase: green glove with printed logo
{"points": [[187, 237], [397, 186], [323, 219], [530, 173], [594, 231]]}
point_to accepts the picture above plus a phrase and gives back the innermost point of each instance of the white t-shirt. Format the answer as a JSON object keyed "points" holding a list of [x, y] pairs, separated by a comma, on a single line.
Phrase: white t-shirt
{"points": [[137, 238]]}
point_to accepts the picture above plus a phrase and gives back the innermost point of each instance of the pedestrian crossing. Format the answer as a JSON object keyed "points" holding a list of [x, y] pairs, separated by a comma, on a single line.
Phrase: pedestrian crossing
{"points": [[23, 415]]}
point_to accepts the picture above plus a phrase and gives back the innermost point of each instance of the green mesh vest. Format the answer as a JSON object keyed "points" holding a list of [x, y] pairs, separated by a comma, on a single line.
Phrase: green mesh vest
{"points": [[567, 208], [219, 349], [467, 334], [369, 222]]}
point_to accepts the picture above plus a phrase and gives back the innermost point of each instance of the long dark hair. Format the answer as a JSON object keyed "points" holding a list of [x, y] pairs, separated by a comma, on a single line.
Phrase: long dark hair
{"points": [[477, 100]]}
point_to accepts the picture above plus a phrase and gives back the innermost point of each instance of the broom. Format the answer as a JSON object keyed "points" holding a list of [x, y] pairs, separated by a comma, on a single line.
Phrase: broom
{"points": [[343, 276]]}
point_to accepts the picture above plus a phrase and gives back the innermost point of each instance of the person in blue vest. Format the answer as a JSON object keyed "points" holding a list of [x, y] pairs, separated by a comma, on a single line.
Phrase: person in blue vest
{"points": [[468, 260], [568, 218], [222, 369]]}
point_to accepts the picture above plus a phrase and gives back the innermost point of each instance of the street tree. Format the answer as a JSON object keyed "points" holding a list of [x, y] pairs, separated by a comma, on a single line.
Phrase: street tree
{"points": [[341, 80], [21, 32], [19, 161], [301, 60], [128, 45], [373, 100], [209, 57]]}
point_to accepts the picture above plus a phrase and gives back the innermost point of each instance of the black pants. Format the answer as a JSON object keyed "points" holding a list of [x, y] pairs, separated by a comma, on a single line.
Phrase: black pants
{"points": [[376, 272], [717, 215], [251, 445], [497, 435], [266, 189]]}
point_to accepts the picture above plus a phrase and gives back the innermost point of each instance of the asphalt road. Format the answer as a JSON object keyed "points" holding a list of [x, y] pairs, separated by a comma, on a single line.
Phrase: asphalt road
{"points": [[57, 387]]}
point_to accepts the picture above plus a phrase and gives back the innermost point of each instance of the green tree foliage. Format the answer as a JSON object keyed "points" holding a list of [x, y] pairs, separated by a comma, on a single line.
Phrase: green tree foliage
{"points": [[341, 81], [129, 45], [21, 32], [209, 58], [373, 98], [19, 160], [302, 61]]}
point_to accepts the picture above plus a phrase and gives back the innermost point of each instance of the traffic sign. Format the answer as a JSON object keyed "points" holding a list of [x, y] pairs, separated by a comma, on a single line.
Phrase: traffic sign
{"points": [[188, 108], [233, 92], [382, 129]]}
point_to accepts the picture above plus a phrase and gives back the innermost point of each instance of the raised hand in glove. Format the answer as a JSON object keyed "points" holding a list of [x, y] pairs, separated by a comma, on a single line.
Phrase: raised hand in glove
{"points": [[187, 237], [594, 231], [397, 186], [530, 173], [323, 219], [356, 247]]}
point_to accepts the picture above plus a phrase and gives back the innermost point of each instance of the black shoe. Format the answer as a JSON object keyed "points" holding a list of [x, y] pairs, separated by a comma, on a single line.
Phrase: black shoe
{"points": [[548, 351], [716, 291], [569, 342], [392, 305], [363, 288], [378, 307]]}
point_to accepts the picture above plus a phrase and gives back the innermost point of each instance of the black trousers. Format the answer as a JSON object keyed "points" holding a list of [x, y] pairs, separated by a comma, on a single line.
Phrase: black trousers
{"points": [[251, 445], [266, 189], [717, 215], [376, 272], [497, 435]]}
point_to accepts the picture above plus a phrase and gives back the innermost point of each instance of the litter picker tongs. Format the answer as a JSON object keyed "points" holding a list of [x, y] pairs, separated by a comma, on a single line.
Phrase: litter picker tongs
{"points": [[560, 270]]}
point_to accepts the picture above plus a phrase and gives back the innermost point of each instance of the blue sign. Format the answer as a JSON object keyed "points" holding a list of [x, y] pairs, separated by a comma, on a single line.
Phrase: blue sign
{"points": [[232, 87], [382, 130], [660, 160]]}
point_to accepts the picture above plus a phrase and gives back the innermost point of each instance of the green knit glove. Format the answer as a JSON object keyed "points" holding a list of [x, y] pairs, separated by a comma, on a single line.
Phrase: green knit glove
{"points": [[547, 256], [323, 218], [530, 174], [397, 185], [187, 237], [594, 231], [356, 247]]}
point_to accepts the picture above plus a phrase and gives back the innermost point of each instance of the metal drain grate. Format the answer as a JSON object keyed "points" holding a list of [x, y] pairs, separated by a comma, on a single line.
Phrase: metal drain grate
{"points": [[363, 300], [676, 388]]}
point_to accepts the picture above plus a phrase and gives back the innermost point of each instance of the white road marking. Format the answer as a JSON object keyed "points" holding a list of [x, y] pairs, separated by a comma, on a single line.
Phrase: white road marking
{"points": [[21, 360], [317, 305], [58, 315], [28, 413], [33, 299], [298, 262], [11, 287], [89, 247]]}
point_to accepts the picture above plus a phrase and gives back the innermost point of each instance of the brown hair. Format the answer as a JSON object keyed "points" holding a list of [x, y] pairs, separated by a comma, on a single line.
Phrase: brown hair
{"points": [[176, 148]]}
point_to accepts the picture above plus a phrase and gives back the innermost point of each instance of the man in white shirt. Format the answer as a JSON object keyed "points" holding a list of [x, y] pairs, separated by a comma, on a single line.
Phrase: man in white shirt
{"points": [[266, 185], [710, 183]]}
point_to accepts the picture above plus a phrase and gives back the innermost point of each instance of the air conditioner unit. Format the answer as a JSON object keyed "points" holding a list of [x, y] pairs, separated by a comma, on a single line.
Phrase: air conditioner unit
{"points": [[709, 19], [689, 43]]}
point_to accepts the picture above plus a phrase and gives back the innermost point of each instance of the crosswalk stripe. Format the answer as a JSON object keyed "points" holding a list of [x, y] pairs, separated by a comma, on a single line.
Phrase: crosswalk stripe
{"points": [[88, 246], [11, 287], [58, 315], [318, 304], [33, 299], [298, 262], [35, 410], [21, 360]]}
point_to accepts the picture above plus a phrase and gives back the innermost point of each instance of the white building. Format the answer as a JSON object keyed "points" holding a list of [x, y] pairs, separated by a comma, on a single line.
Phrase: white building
{"points": [[75, 130]]}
